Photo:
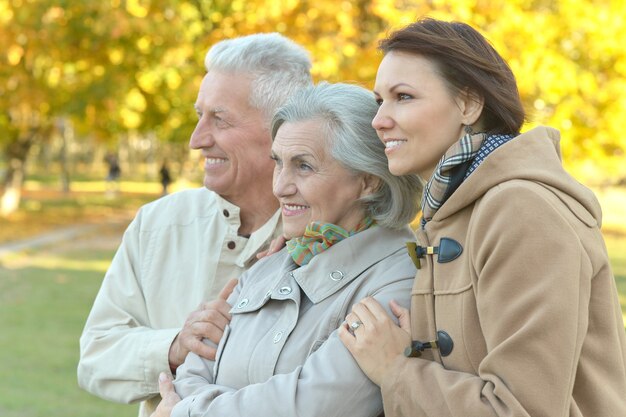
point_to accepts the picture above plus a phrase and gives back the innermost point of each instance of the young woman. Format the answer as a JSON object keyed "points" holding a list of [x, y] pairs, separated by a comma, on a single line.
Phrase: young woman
{"points": [[514, 308]]}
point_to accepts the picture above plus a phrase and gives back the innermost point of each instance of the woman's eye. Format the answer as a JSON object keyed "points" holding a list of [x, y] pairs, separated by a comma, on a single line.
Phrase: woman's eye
{"points": [[404, 96], [379, 101]]}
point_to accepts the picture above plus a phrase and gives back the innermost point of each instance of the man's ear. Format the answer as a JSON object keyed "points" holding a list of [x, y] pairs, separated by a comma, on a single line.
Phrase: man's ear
{"points": [[371, 183], [471, 105]]}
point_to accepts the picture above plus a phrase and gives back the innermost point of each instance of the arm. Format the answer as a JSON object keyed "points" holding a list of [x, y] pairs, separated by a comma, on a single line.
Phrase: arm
{"points": [[122, 349], [329, 383], [532, 294], [121, 356]]}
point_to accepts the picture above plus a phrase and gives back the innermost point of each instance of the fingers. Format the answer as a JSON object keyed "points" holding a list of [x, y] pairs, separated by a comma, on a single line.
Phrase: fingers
{"points": [[165, 385], [374, 307], [370, 315], [202, 349], [210, 327], [346, 337], [275, 246], [228, 289], [208, 321], [403, 315], [216, 312], [369, 311], [168, 395]]}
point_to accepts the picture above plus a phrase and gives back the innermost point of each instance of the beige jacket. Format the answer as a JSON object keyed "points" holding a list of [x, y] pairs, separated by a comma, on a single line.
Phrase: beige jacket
{"points": [[530, 303], [178, 252], [282, 355]]}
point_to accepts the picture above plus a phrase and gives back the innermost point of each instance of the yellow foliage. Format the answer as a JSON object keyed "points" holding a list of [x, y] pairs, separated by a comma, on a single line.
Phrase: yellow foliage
{"points": [[568, 56], [14, 54], [135, 100], [136, 8], [6, 14]]}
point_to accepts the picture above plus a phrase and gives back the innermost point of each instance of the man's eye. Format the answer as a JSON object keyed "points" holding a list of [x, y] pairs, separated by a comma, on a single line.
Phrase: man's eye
{"points": [[305, 167], [219, 122]]}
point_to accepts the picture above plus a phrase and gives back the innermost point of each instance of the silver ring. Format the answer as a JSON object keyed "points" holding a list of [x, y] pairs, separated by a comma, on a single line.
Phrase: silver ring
{"points": [[355, 325]]}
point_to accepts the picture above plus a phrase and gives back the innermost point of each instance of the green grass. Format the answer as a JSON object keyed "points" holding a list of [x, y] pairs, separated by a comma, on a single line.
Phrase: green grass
{"points": [[44, 301]]}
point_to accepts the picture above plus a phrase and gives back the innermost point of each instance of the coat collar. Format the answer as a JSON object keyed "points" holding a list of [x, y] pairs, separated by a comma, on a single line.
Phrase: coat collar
{"points": [[532, 156], [335, 268]]}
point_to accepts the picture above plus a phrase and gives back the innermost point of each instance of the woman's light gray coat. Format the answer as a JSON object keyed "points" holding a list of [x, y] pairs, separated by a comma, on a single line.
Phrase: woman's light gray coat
{"points": [[281, 355]]}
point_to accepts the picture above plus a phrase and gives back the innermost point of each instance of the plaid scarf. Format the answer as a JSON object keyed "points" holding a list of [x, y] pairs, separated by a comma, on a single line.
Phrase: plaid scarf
{"points": [[320, 236], [449, 173]]}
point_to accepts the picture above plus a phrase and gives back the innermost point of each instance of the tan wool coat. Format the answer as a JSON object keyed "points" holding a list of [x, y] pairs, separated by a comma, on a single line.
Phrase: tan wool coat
{"points": [[530, 304]]}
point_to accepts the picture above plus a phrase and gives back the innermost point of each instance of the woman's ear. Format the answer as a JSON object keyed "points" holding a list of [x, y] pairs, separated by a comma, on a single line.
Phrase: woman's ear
{"points": [[471, 105], [370, 185]]}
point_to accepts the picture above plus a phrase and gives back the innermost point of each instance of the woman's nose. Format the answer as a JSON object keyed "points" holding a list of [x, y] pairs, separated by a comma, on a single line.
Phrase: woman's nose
{"points": [[382, 121], [283, 185]]}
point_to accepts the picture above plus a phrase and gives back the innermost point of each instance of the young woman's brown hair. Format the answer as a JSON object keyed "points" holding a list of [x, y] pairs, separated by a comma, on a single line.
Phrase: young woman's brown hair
{"points": [[465, 60]]}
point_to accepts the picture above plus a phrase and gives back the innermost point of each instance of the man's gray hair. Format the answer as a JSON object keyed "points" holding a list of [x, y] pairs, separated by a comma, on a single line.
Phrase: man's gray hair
{"points": [[346, 112], [277, 65]]}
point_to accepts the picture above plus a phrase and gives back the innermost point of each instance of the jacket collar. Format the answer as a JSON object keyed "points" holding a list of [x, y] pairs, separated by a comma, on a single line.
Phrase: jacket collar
{"points": [[532, 156], [335, 268]]}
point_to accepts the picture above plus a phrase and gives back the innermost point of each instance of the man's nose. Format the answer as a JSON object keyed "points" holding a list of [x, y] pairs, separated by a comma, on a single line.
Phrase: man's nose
{"points": [[202, 137]]}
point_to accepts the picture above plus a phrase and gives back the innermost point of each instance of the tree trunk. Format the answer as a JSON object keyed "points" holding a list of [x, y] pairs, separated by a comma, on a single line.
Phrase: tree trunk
{"points": [[67, 136], [16, 153]]}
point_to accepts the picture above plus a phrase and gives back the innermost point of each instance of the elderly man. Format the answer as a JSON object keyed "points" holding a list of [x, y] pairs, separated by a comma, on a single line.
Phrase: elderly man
{"points": [[180, 250]]}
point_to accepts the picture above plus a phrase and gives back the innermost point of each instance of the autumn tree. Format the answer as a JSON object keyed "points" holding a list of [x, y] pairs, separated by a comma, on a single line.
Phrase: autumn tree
{"points": [[119, 68]]}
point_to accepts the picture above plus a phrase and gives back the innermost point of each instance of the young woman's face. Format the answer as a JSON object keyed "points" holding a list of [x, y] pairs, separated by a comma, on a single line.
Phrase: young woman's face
{"points": [[418, 119]]}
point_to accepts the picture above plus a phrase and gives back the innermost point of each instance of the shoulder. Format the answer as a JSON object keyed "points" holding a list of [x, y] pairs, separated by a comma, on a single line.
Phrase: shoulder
{"points": [[524, 198], [386, 253], [264, 273], [180, 208]]}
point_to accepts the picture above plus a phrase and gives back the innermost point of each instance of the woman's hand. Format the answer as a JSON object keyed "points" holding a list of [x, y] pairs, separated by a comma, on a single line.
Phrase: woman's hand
{"points": [[375, 340], [169, 398]]}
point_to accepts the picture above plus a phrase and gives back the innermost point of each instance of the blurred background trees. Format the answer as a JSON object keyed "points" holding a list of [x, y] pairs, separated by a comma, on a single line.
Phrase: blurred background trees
{"points": [[80, 79]]}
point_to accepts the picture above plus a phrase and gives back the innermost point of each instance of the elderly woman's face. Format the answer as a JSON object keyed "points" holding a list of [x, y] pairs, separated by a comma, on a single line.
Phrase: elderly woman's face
{"points": [[310, 184]]}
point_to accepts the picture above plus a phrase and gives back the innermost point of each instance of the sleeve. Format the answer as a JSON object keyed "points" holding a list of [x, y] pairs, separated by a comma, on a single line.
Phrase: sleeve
{"points": [[121, 355], [329, 383], [532, 296], [195, 373]]}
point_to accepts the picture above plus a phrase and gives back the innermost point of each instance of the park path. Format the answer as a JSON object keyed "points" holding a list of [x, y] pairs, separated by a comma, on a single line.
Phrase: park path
{"points": [[107, 234]]}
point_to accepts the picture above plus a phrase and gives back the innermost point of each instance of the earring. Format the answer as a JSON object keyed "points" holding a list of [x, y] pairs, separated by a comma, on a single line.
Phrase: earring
{"points": [[468, 129]]}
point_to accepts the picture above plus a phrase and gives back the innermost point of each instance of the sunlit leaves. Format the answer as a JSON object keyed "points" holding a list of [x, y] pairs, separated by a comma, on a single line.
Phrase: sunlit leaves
{"points": [[115, 65]]}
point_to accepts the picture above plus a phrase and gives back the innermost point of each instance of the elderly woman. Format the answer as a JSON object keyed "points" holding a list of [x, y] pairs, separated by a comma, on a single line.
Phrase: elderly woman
{"points": [[345, 218]]}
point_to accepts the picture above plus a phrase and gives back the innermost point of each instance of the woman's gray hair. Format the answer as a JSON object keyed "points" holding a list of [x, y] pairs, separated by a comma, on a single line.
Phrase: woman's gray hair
{"points": [[346, 112], [278, 67]]}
